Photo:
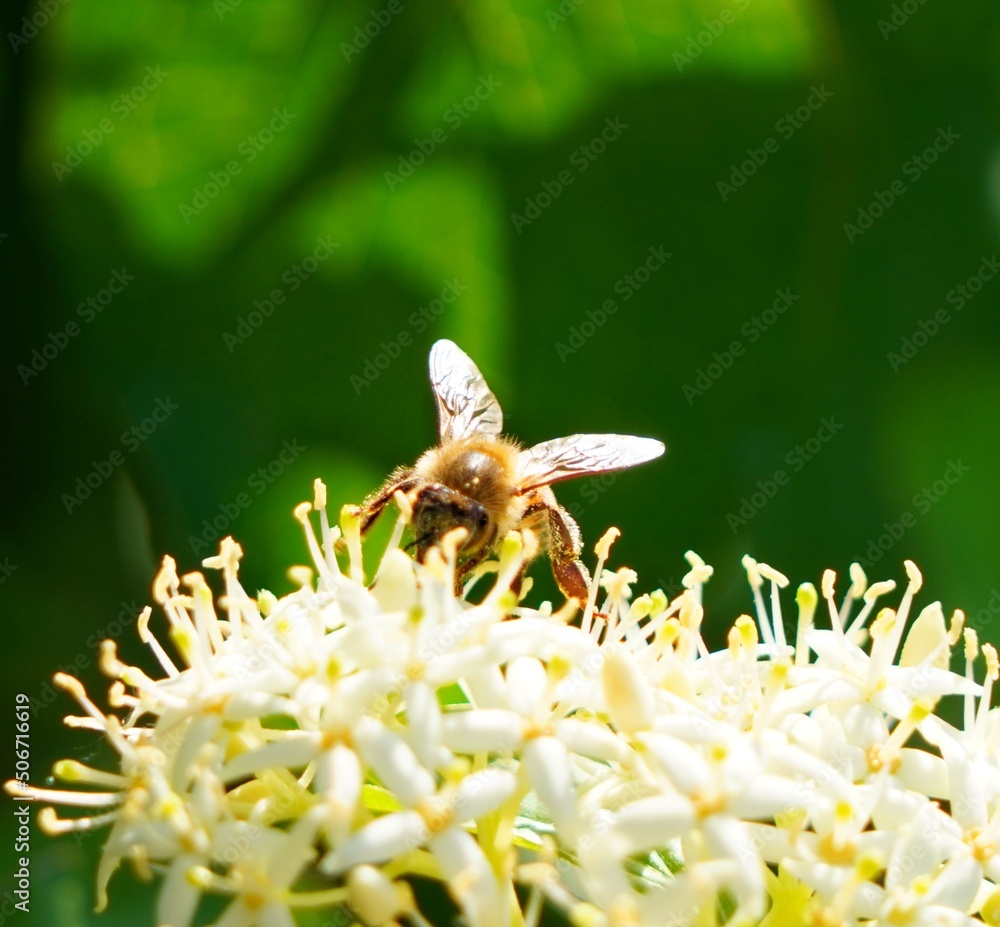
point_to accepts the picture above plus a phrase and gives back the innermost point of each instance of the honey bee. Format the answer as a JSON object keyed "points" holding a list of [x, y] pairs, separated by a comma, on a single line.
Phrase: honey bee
{"points": [[487, 483]]}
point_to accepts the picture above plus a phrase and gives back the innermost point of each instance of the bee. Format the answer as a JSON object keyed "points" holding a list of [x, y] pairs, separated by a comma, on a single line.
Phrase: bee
{"points": [[487, 483]]}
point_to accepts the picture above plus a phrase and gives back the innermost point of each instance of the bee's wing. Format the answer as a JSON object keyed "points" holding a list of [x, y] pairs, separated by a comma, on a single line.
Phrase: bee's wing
{"points": [[578, 455], [464, 402]]}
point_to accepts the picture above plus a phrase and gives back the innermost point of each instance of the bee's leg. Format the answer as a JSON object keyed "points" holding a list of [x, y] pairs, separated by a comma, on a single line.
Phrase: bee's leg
{"points": [[402, 479], [564, 543], [564, 552]]}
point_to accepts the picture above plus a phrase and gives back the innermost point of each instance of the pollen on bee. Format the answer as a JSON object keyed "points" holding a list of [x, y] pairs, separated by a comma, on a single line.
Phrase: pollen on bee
{"points": [[530, 541]]}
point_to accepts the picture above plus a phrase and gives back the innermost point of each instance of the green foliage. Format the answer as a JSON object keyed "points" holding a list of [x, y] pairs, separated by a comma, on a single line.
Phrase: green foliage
{"points": [[256, 134]]}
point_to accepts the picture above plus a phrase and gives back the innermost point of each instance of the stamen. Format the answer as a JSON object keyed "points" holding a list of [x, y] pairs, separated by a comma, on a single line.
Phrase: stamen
{"points": [[763, 619], [807, 600], [828, 586], [871, 596], [326, 576], [971, 652], [515, 551], [74, 687], [75, 771], [205, 620], [54, 826], [859, 583], [150, 640], [228, 560], [404, 518], [912, 588], [20, 790], [328, 535], [350, 525], [955, 627], [778, 581], [603, 550], [302, 576], [992, 673], [165, 583]]}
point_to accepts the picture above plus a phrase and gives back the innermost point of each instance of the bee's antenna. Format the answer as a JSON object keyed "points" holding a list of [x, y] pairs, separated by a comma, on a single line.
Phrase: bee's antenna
{"points": [[416, 542]]}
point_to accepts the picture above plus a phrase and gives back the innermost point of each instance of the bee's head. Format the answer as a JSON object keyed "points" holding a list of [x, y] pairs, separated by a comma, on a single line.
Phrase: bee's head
{"points": [[438, 509]]}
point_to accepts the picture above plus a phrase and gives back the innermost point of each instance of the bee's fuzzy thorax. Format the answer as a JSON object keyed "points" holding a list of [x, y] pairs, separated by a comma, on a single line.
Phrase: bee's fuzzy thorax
{"points": [[481, 467]]}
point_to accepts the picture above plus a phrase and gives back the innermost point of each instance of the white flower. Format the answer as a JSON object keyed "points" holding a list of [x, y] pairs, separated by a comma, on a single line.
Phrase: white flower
{"points": [[318, 749]]}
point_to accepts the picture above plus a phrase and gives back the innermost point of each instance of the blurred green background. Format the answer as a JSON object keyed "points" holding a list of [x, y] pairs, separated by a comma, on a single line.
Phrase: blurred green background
{"points": [[250, 220]]}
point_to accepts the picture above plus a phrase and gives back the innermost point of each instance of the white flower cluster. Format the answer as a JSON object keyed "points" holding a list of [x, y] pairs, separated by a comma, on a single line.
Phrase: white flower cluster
{"points": [[317, 750]]}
